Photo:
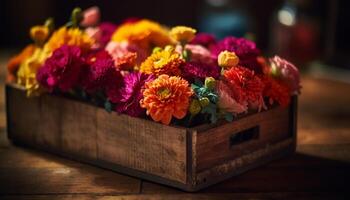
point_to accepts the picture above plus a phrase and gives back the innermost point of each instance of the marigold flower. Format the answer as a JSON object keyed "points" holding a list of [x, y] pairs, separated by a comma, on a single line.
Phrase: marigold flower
{"points": [[182, 34], [71, 37], [26, 74], [246, 86], [14, 62], [227, 59], [162, 62], [39, 34], [166, 97], [144, 33]]}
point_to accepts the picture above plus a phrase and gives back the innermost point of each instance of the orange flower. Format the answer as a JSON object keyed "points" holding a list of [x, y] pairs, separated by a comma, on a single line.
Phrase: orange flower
{"points": [[162, 62], [165, 97], [14, 62]]}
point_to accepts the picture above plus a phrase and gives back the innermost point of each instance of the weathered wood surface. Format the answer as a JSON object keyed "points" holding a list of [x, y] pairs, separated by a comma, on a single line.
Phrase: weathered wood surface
{"points": [[319, 170]]}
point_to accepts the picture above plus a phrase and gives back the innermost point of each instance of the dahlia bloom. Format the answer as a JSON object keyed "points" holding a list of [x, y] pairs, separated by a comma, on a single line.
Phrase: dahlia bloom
{"points": [[287, 72], [194, 70], [124, 59], [204, 39], [71, 37], [162, 62], [15, 61], [131, 94], [276, 91], [62, 69], [166, 97], [143, 33], [99, 72], [227, 101], [246, 86], [245, 49], [26, 74]]}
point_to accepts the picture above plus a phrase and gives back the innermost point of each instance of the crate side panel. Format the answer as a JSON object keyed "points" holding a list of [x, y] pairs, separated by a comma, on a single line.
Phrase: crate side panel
{"points": [[23, 115], [213, 146], [78, 128], [142, 145]]}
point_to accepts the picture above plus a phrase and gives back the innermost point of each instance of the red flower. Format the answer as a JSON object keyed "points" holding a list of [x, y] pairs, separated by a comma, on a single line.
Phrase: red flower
{"points": [[276, 90]]}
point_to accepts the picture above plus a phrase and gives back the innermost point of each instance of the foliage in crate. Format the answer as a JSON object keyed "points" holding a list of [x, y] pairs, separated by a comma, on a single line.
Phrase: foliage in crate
{"points": [[144, 69]]}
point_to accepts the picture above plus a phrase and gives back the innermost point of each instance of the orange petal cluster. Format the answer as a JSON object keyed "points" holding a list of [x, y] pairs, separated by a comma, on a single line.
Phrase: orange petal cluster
{"points": [[166, 97]]}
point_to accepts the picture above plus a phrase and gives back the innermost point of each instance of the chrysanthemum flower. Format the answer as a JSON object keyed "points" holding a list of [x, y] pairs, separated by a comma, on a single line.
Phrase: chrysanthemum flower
{"points": [[194, 70], [166, 97], [162, 62], [144, 33], [131, 94], [246, 86], [71, 37], [276, 91], [287, 72], [246, 51], [62, 69]]}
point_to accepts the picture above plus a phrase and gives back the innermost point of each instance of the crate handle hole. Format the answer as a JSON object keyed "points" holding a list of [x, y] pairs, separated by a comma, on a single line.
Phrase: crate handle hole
{"points": [[244, 136]]}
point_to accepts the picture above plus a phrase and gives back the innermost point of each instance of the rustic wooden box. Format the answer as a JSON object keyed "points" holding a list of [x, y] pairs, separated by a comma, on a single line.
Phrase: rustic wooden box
{"points": [[186, 158]]}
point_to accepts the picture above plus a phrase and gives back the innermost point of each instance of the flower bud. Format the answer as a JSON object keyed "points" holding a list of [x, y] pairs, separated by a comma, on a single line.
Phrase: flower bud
{"points": [[156, 49], [210, 83], [204, 102], [76, 17], [39, 34], [227, 59], [195, 107], [182, 34], [169, 48]]}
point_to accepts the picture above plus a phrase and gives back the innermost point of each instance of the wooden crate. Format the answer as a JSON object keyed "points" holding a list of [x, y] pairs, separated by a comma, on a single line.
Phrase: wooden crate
{"points": [[186, 158]]}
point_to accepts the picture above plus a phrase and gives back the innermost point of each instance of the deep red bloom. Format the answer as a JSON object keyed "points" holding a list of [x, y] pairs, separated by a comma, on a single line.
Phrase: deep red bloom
{"points": [[62, 70], [205, 39], [276, 90], [195, 70]]}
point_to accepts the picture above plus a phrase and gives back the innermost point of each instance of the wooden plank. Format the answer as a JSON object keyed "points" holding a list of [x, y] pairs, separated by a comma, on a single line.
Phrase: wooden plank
{"points": [[135, 143], [79, 128], [213, 146]]}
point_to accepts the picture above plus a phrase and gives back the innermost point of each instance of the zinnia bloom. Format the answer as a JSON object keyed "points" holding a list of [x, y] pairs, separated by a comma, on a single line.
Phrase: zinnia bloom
{"points": [[166, 97], [194, 70], [227, 101], [143, 33], [99, 72], [182, 34], [245, 49], [204, 39], [26, 74], [131, 94], [287, 72], [14, 62], [276, 91], [162, 62], [245, 85], [71, 37], [62, 69]]}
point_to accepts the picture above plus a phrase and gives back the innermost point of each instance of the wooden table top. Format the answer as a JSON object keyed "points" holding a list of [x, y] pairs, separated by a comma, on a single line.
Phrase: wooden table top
{"points": [[320, 169]]}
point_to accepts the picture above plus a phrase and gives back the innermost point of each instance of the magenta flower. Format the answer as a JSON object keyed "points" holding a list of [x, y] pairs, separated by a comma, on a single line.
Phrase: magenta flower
{"points": [[205, 39], [107, 29], [131, 94], [195, 70], [245, 49], [100, 72], [62, 69]]}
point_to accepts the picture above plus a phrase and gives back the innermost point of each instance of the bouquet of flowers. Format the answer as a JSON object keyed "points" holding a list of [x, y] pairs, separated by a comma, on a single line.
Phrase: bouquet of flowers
{"points": [[144, 69]]}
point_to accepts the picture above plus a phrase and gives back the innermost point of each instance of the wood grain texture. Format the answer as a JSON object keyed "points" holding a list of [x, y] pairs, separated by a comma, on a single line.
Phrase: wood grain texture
{"points": [[140, 145]]}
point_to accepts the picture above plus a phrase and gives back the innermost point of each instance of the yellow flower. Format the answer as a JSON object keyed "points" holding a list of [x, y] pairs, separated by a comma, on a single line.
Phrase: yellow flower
{"points": [[144, 33], [182, 34], [39, 34], [26, 74], [71, 36], [162, 62], [227, 59]]}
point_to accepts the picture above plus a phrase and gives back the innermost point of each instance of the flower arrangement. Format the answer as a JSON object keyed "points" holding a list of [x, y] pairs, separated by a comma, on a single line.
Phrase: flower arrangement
{"points": [[144, 69]]}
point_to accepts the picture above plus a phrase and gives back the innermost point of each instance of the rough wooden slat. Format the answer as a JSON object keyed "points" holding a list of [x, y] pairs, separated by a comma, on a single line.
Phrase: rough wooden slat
{"points": [[138, 144]]}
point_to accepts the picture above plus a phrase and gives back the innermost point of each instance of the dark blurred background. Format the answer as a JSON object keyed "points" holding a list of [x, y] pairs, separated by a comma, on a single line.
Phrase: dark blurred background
{"points": [[312, 33]]}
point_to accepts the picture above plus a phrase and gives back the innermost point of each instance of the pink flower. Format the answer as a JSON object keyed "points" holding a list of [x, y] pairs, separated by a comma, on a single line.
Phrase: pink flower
{"points": [[91, 16], [131, 94], [287, 72], [62, 70], [101, 34], [227, 101], [198, 54]]}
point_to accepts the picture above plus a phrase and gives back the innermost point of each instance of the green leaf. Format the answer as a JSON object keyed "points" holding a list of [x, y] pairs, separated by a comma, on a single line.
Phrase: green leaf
{"points": [[108, 106]]}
